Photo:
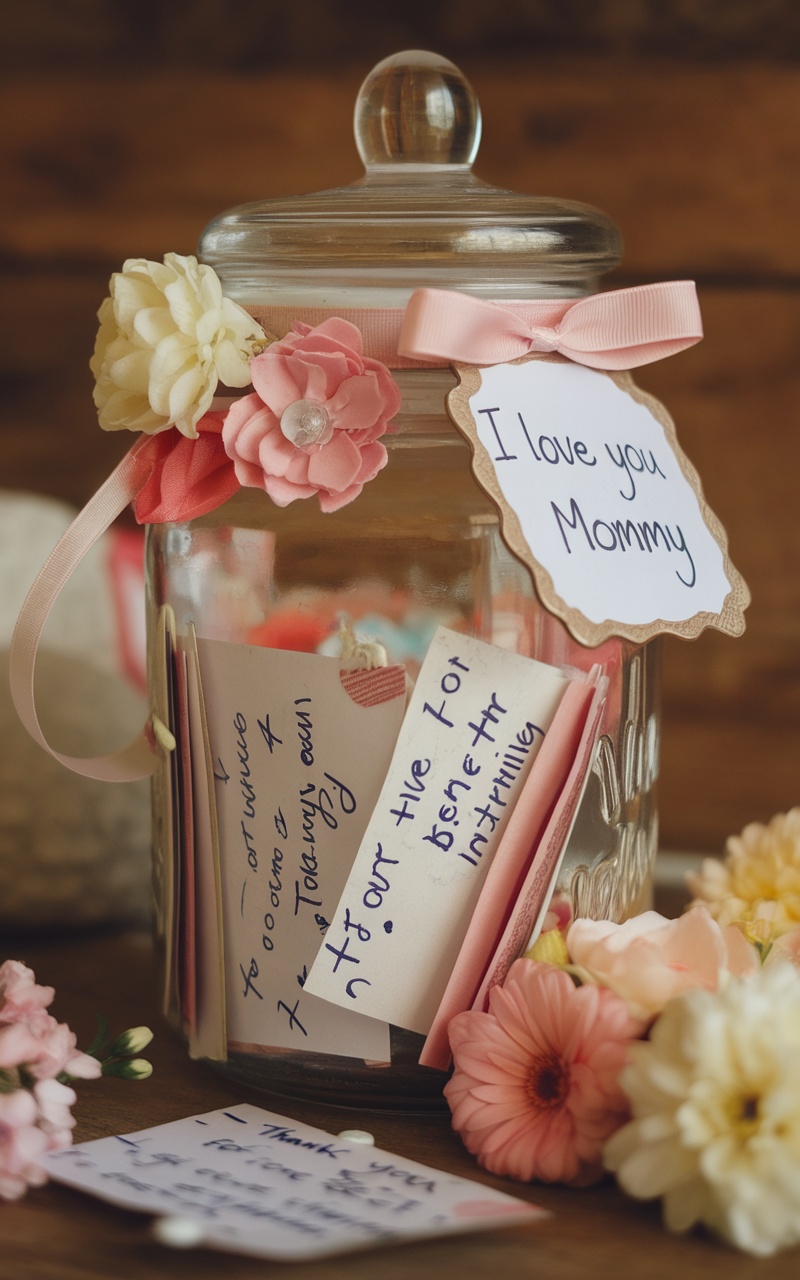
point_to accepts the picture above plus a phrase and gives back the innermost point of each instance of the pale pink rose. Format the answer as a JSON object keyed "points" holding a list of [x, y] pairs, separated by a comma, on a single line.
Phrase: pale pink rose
{"points": [[353, 397], [649, 959], [534, 1091], [22, 1144], [20, 994]]}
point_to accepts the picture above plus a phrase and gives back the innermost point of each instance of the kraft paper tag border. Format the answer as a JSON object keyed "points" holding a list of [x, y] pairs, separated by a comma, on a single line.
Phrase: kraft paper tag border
{"points": [[729, 619]]}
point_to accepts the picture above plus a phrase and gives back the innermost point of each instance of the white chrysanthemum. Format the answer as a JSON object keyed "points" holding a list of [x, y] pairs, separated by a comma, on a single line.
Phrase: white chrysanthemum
{"points": [[715, 1099], [759, 880], [167, 336]]}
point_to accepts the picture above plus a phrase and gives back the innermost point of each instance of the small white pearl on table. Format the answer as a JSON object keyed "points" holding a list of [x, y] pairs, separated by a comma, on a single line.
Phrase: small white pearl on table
{"points": [[177, 1232], [358, 1135]]}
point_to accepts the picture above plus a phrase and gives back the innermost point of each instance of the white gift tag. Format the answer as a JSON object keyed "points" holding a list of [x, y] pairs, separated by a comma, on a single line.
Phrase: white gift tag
{"points": [[598, 500], [469, 739], [298, 764]]}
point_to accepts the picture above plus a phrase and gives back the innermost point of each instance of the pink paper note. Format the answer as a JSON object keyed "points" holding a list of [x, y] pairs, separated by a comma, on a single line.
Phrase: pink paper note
{"points": [[537, 802], [187, 953], [531, 905]]}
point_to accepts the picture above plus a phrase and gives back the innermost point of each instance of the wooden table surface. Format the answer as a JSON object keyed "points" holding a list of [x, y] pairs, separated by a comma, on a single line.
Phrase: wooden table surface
{"points": [[55, 1233]]}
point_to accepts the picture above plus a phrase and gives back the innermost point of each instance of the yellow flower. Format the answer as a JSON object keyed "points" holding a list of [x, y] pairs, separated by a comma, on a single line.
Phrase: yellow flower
{"points": [[167, 336], [758, 882], [550, 947], [715, 1099]]}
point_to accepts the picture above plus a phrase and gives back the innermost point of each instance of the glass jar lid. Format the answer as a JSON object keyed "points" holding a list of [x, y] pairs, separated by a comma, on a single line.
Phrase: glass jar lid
{"points": [[418, 217]]}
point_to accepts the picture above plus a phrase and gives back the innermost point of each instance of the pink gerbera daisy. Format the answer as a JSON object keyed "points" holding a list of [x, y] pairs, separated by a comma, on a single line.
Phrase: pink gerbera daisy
{"points": [[534, 1091]]}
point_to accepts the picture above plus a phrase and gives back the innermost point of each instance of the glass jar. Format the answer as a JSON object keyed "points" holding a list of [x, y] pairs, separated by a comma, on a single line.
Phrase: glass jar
{"points": [[421, 546]]}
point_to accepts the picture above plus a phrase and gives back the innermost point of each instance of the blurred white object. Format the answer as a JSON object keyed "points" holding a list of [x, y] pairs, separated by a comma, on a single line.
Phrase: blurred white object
{"points": [[72, 851]]}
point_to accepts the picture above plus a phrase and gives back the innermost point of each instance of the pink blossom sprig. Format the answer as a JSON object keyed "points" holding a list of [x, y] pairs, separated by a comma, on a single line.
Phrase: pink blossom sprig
{"points": [[39, 1061]]}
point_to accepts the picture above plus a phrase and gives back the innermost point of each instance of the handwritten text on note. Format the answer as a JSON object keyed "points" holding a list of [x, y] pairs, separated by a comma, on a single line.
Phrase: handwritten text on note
{"points": [[270, 1187], [298, 764], [472, 731], [594, 491]]}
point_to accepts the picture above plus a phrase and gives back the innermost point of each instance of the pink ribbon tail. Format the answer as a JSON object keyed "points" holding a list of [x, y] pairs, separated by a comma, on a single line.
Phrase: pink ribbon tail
{"points": [[621, 329], [137, 759]]}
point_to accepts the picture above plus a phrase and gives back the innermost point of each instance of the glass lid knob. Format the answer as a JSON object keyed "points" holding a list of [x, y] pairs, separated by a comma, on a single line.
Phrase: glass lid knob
{"points": [[416, 108]]}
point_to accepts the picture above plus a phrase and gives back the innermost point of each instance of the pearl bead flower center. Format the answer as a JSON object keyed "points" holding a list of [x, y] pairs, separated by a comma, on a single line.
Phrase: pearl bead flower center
{"points": [[306, 422]]}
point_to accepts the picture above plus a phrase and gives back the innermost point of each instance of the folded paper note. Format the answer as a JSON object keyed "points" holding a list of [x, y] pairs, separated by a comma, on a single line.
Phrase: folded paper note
{"points": [[169, 837], [530, 905], [269, 1187], [207, 1032], [477, 719], [298, 765], [598, 500], [546, 808]]}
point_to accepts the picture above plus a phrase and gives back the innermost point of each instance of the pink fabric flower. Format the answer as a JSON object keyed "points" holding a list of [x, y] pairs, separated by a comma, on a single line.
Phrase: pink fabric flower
{"points": [[22, 1144], [351, 399], [649, 959], [20, 994], [534, 1090]]}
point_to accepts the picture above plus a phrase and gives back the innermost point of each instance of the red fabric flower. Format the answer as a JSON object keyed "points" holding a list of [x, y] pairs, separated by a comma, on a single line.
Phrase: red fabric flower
{"points": [[189, 477], [317, 376]]}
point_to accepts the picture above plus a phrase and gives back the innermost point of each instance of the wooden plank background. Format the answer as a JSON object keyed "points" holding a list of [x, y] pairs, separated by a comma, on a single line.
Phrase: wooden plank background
{"points": [[682, 121]]}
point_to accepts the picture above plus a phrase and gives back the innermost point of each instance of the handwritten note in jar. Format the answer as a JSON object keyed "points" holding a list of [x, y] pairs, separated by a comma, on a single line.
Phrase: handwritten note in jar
{"points": [[298, 765], [470, 736], [598, 500]]}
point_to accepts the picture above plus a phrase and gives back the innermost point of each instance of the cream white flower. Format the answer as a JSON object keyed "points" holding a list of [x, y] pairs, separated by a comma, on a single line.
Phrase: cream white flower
{"points": [[758, 882], [167, 336], [715, 1100]]}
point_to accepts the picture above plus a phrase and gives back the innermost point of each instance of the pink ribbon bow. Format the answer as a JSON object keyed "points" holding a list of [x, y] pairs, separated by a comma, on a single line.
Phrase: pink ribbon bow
{"points": [[620, 329]]}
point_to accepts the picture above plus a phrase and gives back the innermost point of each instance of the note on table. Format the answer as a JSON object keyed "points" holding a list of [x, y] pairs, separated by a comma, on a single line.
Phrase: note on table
{"points": [[270, 1187], [298, 764], [476, 721]]}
